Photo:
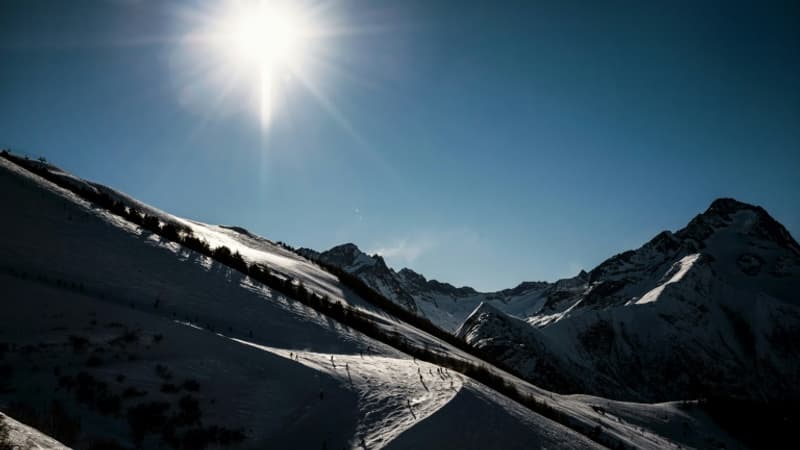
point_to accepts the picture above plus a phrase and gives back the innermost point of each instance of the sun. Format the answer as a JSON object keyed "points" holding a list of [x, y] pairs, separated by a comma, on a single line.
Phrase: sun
{"points": [[270, 40], [267, 35], [253, 47], [253, 55]]}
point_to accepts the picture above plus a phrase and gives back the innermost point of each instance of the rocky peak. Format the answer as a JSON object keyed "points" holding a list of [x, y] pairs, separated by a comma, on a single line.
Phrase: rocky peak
{"points": [[351, 258], [723, 213], [525, 286], [664, 242], [372, 270], [348, 249], [447, 288], [483, 315], [487, 308], [412, 278], [728, 205]]}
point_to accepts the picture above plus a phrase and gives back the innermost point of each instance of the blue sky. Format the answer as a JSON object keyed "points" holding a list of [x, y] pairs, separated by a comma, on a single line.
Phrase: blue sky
{"points": [[478, 144]]}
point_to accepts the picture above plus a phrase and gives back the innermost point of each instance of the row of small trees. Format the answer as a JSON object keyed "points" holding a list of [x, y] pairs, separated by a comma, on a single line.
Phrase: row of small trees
{"points": [[336, 310]]}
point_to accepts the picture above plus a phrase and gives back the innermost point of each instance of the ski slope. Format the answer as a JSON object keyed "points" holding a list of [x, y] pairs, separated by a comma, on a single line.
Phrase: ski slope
{"points": [[264, 363]]}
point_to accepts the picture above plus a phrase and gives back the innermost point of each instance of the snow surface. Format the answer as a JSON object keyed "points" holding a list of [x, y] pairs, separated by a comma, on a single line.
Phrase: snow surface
{"points": [[23, 437], [286, 375], [73, 269], [677, 272]]}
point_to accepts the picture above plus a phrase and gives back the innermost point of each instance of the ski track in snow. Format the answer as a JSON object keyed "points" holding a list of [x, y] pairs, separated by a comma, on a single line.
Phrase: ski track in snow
{"points": [[393, 393]]}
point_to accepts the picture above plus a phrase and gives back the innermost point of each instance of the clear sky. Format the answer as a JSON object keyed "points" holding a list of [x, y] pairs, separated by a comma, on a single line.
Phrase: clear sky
{"points": [[481, 144]]}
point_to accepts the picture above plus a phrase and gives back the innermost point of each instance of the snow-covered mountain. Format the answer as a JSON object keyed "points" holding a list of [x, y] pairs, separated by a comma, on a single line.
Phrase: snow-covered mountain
{"points": [[713, 308], [113, 337], [371, 269], [444, 304]]}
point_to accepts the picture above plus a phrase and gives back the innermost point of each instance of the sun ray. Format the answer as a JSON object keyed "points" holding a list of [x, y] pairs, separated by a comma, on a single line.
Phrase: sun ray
{"points": [[250, 54]]}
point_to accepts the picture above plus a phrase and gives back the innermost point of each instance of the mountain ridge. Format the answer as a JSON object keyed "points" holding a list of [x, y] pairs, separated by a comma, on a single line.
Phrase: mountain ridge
{"points": [[733, 267], [682, 315]]}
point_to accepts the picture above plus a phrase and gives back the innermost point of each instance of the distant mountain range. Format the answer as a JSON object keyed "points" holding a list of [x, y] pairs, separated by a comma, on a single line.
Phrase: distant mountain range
{"points": [[712, 309], [444, 304]]}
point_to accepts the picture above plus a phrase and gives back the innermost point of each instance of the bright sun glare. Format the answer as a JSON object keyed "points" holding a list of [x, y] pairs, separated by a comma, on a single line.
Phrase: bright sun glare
{"points": [[267, 36], [268, 39], [258, 45]]}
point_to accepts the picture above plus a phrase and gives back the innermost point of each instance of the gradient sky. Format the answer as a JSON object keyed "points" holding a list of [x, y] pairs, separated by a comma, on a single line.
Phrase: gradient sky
{"points": [[475, 143]]}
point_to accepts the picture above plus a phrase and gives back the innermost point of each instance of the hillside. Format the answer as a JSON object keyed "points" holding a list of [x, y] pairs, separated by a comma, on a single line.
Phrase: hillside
{"points": [[17, 436], [115, 336], [108, 324]]}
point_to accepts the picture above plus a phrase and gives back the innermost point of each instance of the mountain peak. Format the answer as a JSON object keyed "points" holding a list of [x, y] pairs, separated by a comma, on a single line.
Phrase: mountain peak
{"points": [[728, 204], [412, 276], [481, 315], [485, 307], [721, 214], [372, 269], [349, 257], [348, 247], [483, 311]]}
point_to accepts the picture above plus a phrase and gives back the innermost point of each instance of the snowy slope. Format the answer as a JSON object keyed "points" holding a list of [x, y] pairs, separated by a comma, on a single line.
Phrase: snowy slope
{"points": [[92, 303], [22, 437], [87, 292]]}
